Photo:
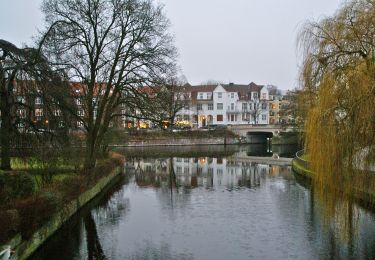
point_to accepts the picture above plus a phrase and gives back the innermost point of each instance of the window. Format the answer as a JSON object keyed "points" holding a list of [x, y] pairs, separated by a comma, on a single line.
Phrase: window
{"points": [[79, 124], [186, 170], [78, 101], [179, 169], [219, 161], [186, 160], [255, 95], [209, 95], [178, 159], [210, 171], [199, 107], [210, 106], [38, 101], [219, 118], [264, 117], [219, 106], [219, 95], [38, 112], [244, 106], [232, 95], [61, 124], [21, 99], [186, 117], [21, 113], [57, 112], [81, 112], [200, 95], [187, 107], [264, 106], [232, 106]]}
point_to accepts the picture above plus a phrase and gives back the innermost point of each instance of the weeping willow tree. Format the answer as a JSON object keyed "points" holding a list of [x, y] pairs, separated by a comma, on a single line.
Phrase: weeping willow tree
{"points": [[338, 77]]}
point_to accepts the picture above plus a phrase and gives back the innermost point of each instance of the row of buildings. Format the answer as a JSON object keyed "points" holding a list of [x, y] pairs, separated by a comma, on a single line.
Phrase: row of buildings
{"points": [[203, 106], [231, 104]]}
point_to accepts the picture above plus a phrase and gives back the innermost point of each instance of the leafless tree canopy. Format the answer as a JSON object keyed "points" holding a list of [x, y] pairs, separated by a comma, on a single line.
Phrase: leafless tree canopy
{"points": [[111, 47]]}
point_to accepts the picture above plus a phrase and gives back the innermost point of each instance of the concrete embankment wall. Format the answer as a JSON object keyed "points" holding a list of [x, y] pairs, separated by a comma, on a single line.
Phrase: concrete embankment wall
{"points": [[183, 141], [25, 248]]}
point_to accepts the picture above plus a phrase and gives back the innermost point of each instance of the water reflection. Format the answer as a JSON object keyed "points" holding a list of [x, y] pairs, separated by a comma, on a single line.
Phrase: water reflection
{"points": [[94, 248], [214, 207]]}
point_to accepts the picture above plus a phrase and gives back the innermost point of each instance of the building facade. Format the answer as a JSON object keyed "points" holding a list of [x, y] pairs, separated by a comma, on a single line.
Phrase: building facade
{"points": [[226, 104]]}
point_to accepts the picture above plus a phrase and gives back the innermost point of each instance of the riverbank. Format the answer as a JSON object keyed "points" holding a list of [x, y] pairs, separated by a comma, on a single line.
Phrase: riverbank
{"points": [[147, 138], [366, 198], [23, 245]]}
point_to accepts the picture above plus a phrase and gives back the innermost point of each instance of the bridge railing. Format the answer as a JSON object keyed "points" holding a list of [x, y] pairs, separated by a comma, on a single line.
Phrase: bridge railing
{"points": [[299, 158]]}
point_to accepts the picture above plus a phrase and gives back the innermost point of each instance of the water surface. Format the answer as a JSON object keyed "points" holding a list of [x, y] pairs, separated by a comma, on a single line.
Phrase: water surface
{"points": [[217, 203]]}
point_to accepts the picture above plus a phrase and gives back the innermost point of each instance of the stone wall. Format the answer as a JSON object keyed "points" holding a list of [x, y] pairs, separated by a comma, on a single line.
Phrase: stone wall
{"points": [[24, 248]]}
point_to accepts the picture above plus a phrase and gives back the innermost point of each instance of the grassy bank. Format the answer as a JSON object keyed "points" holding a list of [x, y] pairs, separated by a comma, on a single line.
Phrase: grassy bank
{"points": [[31, 198]]}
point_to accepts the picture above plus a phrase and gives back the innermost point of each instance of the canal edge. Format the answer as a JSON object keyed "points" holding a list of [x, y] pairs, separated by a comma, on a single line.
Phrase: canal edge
{"points": [[22, 249], [365, 199]]}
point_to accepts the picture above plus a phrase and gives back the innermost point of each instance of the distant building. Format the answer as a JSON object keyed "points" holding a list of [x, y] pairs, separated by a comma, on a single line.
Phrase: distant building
{"points": [[225, 104]]}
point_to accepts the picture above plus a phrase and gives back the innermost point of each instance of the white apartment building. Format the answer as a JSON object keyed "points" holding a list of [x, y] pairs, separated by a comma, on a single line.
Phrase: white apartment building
{"points": [[225, 104]]}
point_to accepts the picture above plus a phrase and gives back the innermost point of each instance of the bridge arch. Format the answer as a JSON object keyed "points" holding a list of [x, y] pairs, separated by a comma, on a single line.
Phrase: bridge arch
{"points": [[258, 137]]}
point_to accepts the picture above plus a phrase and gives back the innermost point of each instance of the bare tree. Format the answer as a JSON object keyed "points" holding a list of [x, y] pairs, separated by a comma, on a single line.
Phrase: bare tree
{"points": [[257, 110], [111, 48], [24, 75], [170, 99]]}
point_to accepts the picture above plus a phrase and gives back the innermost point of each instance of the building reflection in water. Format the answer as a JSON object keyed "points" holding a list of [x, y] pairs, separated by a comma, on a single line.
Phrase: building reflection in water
{"points": [[167, 197], [208, 172]]}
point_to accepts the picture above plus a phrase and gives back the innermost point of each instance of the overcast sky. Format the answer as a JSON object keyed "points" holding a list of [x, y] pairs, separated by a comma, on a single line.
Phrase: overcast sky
{"points": [[225, 40]]}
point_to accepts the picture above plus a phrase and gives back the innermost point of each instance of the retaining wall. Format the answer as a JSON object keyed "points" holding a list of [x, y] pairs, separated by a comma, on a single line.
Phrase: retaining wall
{"points": [[24, 248]]}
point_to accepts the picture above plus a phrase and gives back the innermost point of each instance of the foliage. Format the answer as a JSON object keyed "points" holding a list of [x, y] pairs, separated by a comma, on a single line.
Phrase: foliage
{"points": [[15, 185], [26, 74], [338, 100]]}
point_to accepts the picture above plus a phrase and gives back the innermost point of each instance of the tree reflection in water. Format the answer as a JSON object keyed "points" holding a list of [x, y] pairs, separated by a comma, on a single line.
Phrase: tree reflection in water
{"points": [[94, 248]]}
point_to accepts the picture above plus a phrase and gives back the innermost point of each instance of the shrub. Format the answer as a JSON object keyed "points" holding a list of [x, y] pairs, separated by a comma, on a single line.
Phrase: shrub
{"points": [[35, 211], [15, 185]]}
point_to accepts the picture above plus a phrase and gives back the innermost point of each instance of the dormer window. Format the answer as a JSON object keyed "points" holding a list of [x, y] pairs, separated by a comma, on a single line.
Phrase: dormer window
{"points": [[219, 95], [200, 95], [232, 95]]}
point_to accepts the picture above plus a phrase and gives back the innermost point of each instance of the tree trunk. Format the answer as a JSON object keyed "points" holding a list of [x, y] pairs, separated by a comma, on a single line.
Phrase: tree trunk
{"points": [[5, 130], [90, 155]]}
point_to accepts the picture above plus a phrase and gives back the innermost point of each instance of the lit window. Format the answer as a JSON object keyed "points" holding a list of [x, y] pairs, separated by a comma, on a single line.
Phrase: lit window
{"points": [[38, 112]]}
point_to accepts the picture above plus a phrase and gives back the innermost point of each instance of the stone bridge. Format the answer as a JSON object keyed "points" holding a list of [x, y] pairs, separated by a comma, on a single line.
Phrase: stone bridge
{"points": [[259, 133]]}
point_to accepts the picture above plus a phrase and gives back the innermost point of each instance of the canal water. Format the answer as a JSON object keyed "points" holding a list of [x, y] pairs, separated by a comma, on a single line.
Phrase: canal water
{"points": [[211, 203]]}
